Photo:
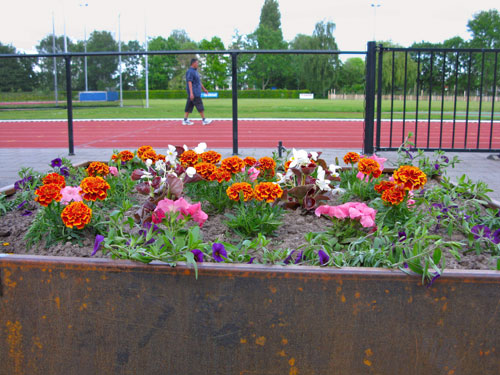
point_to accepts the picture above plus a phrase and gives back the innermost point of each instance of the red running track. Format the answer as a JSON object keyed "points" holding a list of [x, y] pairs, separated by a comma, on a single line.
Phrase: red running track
{"points": [[307, 134]]}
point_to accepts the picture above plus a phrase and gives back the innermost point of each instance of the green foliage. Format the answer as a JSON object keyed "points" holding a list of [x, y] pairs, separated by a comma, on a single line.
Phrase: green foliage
{"points": [[212, 194], [101, 69], [253, 217]]}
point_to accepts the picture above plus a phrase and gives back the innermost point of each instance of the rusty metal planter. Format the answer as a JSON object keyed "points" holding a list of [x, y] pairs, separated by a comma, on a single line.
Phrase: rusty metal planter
{"points": [[95, 316]]}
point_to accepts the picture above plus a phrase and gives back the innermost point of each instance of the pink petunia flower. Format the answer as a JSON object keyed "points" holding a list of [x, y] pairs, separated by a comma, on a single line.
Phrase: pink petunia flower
{"points": [[253, 173], [70, 193], [353, 210], [183, 207], [113, 171]]}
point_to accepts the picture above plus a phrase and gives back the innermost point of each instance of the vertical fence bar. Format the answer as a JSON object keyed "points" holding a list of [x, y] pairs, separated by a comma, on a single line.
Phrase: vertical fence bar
{"points": [[443, 68], [430, 101], [469, 67], [69, 101], [480, 99], [416, 104], [379, 93], [369, 98], [392, 99], [404, 97], [234, 75], [493, 97], [455, 101]]}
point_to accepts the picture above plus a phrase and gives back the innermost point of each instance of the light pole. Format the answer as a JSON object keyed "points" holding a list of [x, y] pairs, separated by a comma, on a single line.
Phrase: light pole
{"points": [[120, 61], [85, 5], [54, 51], [375, 6]]}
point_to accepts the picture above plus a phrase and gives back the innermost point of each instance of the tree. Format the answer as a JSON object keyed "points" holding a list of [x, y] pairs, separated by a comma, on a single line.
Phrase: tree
{"points": [[485, 29], [16, 74], [161, 68], [352, 76], [102, 70], [317, 72], [46, 65], [268, 70], [131, 73], [215, 67]]}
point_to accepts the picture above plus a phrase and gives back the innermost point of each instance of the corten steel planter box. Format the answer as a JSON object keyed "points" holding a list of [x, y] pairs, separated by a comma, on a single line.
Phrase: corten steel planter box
{"points": [[96, 316]]}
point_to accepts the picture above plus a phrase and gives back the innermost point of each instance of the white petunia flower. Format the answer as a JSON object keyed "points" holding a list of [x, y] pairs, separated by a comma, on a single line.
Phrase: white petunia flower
{"points": [[320, 180], [314, 155], [333, 168], [160, 166], [200, 148], [298, 158], [190, 172], [171, 154], [149, 162]]}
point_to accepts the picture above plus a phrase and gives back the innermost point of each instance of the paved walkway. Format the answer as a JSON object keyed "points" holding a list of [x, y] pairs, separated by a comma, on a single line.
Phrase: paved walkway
{"points": [[475, 165]]}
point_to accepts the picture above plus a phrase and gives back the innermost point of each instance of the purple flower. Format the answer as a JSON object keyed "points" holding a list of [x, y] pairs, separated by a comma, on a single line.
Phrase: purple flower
{"points": [[433, 279], [495, 237], [97, 243], [56, 163], [402, 236], [299, 258], [219, 252], [445, 159], [27, 213], [288, 259], [64, 171], [198, 255], [323, 257], [251, 260], [481, 231], [21, 205], [436, 166], [21, 184]]}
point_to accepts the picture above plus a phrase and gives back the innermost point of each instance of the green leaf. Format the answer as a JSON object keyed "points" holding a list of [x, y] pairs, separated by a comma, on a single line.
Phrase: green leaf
{"points": [[436, 257]]}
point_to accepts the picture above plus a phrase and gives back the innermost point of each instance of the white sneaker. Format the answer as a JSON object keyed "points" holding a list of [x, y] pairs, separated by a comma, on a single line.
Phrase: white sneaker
{"points": [[187, 122], [206, 122]]}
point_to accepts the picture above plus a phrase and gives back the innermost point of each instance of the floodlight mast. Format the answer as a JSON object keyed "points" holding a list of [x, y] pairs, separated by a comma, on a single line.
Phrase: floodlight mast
{"points": [[375, 6]]}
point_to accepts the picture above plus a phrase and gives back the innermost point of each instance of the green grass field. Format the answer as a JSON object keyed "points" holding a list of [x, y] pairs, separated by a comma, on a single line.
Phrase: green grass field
{"points": [[256, 108]]}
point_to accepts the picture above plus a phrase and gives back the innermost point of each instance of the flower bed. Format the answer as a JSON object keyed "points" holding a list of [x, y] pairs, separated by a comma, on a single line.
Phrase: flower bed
{"points": [[214, 312]]}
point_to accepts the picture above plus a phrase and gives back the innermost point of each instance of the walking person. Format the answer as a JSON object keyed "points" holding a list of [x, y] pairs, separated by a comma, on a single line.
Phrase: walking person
{"points": [[194, 87]]}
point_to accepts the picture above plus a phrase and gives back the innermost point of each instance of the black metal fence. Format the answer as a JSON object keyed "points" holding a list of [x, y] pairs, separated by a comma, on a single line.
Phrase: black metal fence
{"points": [[445, 97], [406, 90]]}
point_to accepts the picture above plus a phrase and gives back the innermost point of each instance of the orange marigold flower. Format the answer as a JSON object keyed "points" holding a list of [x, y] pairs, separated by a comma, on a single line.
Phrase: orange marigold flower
{"points": [[233, 164], [287, 165], [267, 163], [96, 168], [54, 178], [125, 155], [141, 151], [149, 154], [383, 186], [94, 188], [205, 170], [351, 158], [368, 166], [250, 161], [76, 214], [233, 191], [211, 157], [189, 158], [45, 194], [220, 175], [268, 191], [412, 178], [377, 173], [394, 195], [115, 157], [160, 157]]}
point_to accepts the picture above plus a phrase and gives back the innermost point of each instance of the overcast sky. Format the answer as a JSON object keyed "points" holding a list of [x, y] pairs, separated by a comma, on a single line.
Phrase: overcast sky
{"points": [[24, 23]]}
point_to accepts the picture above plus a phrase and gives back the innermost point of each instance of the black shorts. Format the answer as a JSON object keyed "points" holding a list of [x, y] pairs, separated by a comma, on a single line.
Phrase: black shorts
{"points": [[196, 102]]}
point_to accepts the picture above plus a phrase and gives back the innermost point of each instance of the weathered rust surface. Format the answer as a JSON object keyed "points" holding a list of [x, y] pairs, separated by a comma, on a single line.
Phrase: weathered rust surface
{"points": [[79, 316]]}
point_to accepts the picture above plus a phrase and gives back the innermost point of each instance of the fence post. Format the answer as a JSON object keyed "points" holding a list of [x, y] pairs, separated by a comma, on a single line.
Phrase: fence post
{"points": [[234, 65], [369, 98], [379, 93], [69, 104]]}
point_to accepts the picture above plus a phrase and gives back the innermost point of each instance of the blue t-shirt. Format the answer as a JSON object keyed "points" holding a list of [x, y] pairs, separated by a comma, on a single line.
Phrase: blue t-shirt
{"points": [[193, 76]]}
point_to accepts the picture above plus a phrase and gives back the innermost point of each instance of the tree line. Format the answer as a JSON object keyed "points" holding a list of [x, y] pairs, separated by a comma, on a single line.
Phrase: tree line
{"points": [[316, 73]]}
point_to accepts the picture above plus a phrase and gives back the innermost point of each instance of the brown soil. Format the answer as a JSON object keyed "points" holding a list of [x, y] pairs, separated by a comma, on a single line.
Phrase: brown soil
{"points": [[290, 235]]}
